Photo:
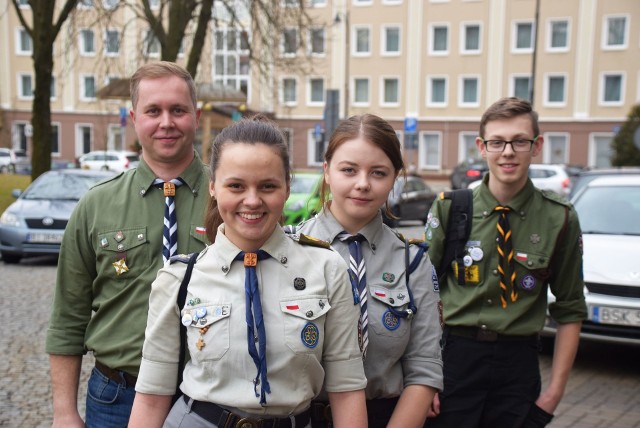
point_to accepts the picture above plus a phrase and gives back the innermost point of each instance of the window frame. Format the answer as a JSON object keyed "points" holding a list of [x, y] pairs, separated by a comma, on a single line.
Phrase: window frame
{"points": [[354, 37], [606, 22], [422, 151], [546, 83], [312, 32], [21, 94], [383, 102], [433, 26], [83, 87], [355, 102], [384, 51], [82, 42], [547, 147], [19, 39], [461, 79], [463, 38], [106, 43], [310, 101], [429, 96], [514, 36], [550, 24], [602, 88], [512, 84], [283, 91]]}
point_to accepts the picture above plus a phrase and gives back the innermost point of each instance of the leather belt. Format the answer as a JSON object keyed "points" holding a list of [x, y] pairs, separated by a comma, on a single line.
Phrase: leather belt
{"points": [[377, 408], [484, 335], [223, 418], [119, 377]]}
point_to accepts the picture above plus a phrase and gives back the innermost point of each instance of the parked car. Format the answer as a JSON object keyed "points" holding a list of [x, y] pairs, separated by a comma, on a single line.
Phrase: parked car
{"points": [[109, 160], [35, 222], [609, 209], [410, 199], [7, 161], [304, 199], [546, 177], [467, 172], [586, 176]]}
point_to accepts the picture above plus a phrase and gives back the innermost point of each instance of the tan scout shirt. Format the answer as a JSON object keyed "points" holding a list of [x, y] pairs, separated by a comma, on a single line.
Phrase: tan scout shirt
{"points": [[222, 372], [398, 355]]}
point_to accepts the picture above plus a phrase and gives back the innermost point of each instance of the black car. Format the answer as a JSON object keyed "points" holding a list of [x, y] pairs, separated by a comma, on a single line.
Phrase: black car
{"points": [[410, 199], [467, 172]]}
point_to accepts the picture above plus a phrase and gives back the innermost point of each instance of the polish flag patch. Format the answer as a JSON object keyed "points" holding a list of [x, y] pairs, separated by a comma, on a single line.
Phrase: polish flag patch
{"points": [[380, 293], [201, 230], [521, 256], [292, 307]]}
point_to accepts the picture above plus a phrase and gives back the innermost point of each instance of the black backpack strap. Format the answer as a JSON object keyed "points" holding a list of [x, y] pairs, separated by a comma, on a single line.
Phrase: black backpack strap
{"points": [[458, 230], [182, 297]]}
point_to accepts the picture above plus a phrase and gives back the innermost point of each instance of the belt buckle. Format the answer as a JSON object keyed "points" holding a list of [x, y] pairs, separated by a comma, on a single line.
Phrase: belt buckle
{"points": [[487, 335], [248, 423]]}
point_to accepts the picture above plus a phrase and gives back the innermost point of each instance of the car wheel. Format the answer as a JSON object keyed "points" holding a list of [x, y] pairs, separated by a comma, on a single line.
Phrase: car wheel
{"points": [[11, 258]]}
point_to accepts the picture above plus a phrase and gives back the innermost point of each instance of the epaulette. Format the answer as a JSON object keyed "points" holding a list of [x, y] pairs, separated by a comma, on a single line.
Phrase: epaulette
{"points": [[107, 179], [182, 258], [554, 197], [309, 240]]}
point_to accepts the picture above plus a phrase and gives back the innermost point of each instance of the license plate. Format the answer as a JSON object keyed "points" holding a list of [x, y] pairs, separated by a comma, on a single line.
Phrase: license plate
{"points": [[617, 316], [46, 238]]}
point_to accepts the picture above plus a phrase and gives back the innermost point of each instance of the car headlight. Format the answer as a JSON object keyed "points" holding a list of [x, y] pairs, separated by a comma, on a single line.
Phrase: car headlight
{"points": [[295, 206], [9, 219]]}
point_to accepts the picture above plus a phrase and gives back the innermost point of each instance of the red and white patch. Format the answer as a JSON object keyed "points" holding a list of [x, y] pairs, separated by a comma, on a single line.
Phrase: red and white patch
{"points": [[522, 257]]}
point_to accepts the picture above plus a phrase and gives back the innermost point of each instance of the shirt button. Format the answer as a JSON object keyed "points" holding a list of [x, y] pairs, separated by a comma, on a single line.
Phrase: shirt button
{"points": [[309, 314], [485, 213], [494, 272], [225, 269], [489, 301], [483, 327], [373, 247]]}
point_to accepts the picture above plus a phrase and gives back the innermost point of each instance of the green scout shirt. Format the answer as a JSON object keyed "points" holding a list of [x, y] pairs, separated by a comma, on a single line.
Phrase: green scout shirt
{"points": [[102, 307], [537, 219]]}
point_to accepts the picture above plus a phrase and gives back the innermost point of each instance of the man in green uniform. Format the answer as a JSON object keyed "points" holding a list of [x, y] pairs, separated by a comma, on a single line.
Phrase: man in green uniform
{"points": [[115, 243], [523, 242]]}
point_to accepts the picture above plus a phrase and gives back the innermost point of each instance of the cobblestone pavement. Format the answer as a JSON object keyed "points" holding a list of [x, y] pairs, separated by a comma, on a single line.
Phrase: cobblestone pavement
{"points": [[603, 391]]}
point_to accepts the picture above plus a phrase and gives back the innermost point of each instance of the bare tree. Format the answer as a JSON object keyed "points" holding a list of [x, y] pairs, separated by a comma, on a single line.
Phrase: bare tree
{"points": [[43, 32]]}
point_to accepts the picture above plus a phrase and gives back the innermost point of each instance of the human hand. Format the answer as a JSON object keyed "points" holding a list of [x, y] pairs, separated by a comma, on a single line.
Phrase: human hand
{"points": [[434, 410]]}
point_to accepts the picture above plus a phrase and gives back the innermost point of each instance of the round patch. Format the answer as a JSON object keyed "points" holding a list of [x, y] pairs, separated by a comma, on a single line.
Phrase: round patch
{"points": [[390, 321], [528, 282], [467, 260], [310, 335], [434, 223], [429, 235], [476, 253], [388, 277]]}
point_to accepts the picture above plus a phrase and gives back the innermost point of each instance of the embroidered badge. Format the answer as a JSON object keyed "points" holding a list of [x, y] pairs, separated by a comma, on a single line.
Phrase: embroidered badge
{"points": [[390, 321], [299, 283], [428, 234], [528, 282], [534, 238], [119, 236], [310, 335], [434, 223], [121, 266], [388, 277], [104, 243]]}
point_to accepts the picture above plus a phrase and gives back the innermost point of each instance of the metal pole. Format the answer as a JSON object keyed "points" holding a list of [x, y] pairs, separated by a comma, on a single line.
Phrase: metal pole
{"points": [[535, 52]]}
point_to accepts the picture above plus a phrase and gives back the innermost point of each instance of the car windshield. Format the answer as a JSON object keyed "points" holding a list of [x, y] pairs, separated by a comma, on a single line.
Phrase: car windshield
{"points": [[61, 186], [612, 210], [303, 183]]}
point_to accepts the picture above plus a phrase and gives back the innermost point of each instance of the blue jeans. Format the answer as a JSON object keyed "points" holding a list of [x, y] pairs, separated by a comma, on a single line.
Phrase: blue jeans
{"points": [[108, 403]]}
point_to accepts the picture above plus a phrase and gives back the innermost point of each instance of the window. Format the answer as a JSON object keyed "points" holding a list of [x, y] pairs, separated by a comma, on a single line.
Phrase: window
{"points": [[523, 37], [611, 89], [87, 42], [231, 59], [290, 41], [429, 150], [437, 91], [315, 149], [84, 138], [558, 37], [361, 92], [55, 138], [317, 41], [555, 90], [289, 91], [19, 136], [469, 91], [470, 39], [614, 35], [556, 148], [600, 151], [53, 87], [391, 40], [88, 88], [24, 44], [390, 91], [521, 87], [112, 42], [439, 39], [110, 4], [25, 86], [316, 91], [362, 38], [151, 44]]}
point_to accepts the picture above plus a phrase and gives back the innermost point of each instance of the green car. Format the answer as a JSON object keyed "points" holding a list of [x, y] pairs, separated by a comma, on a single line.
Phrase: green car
{"points": [[304, 200]]}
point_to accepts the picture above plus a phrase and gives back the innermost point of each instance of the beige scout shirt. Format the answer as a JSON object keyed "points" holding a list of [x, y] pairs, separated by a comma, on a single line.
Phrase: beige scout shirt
{"points": [[406, 353], [222, 372]]}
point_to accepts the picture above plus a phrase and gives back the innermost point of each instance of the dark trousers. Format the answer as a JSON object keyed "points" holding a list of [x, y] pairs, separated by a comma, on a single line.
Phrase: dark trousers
{"points": [[487, 384], [379, 413]]}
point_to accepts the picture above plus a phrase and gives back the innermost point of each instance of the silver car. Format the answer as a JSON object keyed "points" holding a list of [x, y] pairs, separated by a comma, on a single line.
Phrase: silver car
{"points": [[35, 223], [609, 211]]}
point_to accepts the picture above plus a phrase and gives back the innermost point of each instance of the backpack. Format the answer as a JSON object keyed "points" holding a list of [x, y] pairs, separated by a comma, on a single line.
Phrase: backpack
{"points": [[458, 231]]}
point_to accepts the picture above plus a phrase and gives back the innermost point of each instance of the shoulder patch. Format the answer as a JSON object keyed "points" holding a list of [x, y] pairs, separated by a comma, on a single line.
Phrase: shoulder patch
{"points": [[554, 197], [182, 258], [309, 240]]}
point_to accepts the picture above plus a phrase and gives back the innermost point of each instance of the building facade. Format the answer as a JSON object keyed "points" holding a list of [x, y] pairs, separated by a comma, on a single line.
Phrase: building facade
{"points": [[430, 67]]}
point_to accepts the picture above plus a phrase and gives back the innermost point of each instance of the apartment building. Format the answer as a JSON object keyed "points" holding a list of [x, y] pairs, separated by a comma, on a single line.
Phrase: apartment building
{"points": [[430, 67]]}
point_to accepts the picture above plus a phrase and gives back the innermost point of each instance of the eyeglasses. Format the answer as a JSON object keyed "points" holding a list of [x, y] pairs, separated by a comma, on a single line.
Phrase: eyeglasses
{"points": [[517, 145]]}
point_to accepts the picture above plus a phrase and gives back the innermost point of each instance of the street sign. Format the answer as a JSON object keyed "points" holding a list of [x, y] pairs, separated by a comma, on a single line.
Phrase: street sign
{"points": [[410, 125]]}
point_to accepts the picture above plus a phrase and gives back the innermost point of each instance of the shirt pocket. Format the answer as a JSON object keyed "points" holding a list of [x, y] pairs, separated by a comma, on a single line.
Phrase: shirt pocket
{"points": [[130, 244], [382, 320], [304, 323], [199, 235], [207, 330], [532, 269]]}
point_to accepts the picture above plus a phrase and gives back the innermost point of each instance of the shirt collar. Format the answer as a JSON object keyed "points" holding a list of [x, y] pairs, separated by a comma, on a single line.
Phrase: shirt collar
{"points": [[329, 228], [520, 203], [192, 176], [275, 246]]}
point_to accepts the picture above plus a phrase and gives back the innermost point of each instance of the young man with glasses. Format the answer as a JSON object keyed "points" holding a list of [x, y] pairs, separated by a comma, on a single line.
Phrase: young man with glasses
{"points": [[523, 241]]}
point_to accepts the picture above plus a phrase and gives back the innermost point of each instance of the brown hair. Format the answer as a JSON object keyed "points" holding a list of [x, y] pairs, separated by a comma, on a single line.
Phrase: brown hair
{"points": [[507, 108], [156, 70], [255, 130], [373, 129]]}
